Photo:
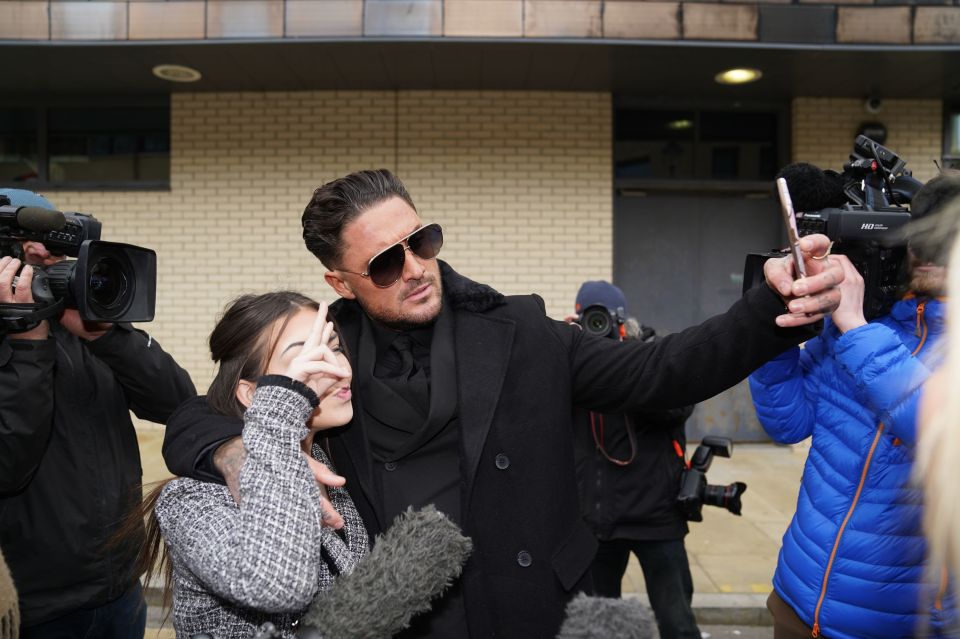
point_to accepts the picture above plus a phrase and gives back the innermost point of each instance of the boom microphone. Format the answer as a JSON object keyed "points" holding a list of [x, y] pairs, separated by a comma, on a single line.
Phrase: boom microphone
{"points": [[603, 617], [812, 189], [415, 560]]}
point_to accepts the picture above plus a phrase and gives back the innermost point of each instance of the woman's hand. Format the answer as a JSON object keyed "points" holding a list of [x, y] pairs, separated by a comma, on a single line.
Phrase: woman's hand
{"points": [[849, 314], [316, 363]]}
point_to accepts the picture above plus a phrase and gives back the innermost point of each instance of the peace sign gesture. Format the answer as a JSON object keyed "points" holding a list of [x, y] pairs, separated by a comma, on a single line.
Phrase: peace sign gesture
{"points": [[316, 364]]}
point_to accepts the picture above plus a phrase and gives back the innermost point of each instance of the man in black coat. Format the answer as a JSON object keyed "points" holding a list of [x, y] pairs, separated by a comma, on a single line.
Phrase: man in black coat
{"points": [[69, 461], [628, 470], [463, 399]]}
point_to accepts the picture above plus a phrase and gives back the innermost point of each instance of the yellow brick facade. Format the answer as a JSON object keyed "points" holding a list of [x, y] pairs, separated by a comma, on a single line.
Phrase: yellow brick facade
{"points": [[823, 130], [520, 181]]}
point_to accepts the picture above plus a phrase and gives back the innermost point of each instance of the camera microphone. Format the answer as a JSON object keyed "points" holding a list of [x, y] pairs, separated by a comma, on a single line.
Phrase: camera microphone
{"points": [[415, 560], [33, 218], [812, 189]]}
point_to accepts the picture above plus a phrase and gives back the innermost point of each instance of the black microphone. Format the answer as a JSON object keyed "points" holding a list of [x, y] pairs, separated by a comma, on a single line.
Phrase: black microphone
{"points": [[602, 617], [414, 561], [32, 218], [812, 189]]}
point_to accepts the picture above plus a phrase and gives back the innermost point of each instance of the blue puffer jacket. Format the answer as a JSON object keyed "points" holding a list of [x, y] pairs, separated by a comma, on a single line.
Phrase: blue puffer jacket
{"points": [[852, 561]]}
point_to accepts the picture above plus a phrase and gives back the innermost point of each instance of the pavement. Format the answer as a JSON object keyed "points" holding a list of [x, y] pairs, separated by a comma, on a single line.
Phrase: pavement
{"points": [[732, 558]]}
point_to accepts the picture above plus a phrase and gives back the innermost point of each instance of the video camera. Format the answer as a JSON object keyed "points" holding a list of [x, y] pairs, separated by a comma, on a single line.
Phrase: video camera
{"points": [[601, 321], [694, 489], [108, 282], [861, 210]]}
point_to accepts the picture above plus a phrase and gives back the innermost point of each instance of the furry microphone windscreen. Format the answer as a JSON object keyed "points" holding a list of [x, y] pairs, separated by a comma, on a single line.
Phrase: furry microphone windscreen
{"points": [[602, 617], [415, 560], [812, 189]]}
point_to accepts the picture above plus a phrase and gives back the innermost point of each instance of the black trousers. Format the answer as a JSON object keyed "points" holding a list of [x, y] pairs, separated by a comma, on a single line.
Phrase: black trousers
{"points": [[666, 572], [124, 618]]}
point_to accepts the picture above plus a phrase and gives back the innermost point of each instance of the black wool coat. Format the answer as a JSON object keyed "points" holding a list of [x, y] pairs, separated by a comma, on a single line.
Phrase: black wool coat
{"points": [[519, 375]]}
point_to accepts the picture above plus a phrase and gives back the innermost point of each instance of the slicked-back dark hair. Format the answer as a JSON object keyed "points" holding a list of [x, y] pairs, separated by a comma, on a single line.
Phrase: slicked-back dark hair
{"points": [[337, 203]]}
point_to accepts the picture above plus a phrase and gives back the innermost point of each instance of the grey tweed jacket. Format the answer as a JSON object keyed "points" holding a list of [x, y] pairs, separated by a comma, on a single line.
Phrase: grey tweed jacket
{"points": [[236, 567]]}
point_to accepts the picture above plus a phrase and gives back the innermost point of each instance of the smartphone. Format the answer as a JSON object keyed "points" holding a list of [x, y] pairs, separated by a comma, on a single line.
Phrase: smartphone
{"points": [[790, 220]]}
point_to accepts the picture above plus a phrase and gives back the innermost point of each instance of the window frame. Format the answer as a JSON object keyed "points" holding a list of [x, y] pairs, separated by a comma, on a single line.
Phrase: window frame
{"points": [[951, 115], [43, 104], [639, 185]]}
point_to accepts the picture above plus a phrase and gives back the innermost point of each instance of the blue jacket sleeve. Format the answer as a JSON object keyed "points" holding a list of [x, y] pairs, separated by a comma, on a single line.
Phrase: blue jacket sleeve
{"points": [[785, 391], [888, 379]]}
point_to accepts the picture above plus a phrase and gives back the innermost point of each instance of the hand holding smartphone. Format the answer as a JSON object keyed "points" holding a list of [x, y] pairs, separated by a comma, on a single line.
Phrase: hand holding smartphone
{"points": [[793, 235]]}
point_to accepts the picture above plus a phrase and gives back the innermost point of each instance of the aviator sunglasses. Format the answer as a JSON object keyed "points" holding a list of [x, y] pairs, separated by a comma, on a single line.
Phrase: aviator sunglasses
{"points": [[386, 267]]}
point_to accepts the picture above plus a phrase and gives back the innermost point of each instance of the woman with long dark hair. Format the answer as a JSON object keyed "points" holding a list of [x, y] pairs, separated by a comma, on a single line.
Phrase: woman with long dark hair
{"points": [[235, 566]]}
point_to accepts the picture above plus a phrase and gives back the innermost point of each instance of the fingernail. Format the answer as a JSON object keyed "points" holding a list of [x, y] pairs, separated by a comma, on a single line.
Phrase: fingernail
{"points": [[801, 289], [780, 320], [795, 306]]}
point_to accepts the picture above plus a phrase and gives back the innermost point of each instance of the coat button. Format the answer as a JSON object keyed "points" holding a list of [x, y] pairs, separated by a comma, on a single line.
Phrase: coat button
{"points": [[524, 558], [502, 461], [390, 465]]}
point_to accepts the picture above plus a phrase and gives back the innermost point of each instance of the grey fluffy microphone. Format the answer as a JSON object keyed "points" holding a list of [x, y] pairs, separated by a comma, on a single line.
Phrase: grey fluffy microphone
{"points": [[602, 618], [415, 560]]}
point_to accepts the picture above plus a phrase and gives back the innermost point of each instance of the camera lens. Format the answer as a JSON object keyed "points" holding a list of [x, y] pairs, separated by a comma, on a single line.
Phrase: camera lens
{"points": [[597, 321], [107, 283]]}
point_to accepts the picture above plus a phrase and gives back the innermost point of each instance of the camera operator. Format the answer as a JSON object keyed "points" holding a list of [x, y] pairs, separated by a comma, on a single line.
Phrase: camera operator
{"points": [[628, 473], [851, 564], [69, 461]]}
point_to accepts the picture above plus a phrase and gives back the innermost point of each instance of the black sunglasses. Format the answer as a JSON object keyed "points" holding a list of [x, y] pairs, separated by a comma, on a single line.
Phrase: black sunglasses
{"points": [[386, 267]]}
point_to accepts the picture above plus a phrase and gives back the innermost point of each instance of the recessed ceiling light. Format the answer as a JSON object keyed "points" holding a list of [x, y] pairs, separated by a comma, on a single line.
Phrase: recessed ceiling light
{"points": [[678, 125], [738, 76], [176, 73]]}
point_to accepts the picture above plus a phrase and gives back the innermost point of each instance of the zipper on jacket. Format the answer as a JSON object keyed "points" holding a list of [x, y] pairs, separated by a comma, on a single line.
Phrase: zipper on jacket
{"points": [[944, 580], [922, 334], [846, 520]]}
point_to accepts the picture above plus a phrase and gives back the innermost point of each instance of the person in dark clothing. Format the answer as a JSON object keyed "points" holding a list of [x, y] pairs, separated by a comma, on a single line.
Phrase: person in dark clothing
{"points": [[628, 472], [463, 399], [69, 461]]}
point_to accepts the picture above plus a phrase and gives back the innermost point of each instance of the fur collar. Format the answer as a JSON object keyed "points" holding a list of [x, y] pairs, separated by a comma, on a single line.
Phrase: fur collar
{"points": [[466, 294]]}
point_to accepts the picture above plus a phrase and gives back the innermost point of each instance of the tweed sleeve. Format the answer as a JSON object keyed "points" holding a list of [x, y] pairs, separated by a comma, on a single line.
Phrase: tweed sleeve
{"points": [[265, 553]]}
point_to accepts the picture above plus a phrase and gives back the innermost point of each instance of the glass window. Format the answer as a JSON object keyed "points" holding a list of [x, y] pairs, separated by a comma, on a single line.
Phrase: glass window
{"points": [[110, 146], [951, 141], [18, 146], [699, 145]]}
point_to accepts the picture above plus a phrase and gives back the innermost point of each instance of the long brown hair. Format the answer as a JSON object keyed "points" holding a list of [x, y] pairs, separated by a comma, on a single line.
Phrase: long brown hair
{"points": [[240, 345]]}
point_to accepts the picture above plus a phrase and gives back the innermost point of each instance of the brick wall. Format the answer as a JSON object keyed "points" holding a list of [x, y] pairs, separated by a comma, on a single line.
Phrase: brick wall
{"points": [[824, 129], [521, 182]]}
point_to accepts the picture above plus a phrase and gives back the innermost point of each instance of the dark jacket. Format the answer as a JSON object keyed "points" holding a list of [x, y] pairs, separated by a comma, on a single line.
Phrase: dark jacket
{"points": [[69, 461], [518, 374], [635, 500]]}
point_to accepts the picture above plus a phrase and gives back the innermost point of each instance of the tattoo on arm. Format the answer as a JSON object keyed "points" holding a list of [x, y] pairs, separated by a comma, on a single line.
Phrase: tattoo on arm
{"points": [[228, 459]]}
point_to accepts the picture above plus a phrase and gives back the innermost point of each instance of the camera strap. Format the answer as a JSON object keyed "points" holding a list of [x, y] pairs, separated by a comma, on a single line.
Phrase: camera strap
{"points": [[598, 439], [19, 318]]}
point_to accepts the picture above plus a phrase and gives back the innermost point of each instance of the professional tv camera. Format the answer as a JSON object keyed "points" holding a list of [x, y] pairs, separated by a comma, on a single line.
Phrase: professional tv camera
{"points": [[108, 282], [862, 210], [694, 489]]}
